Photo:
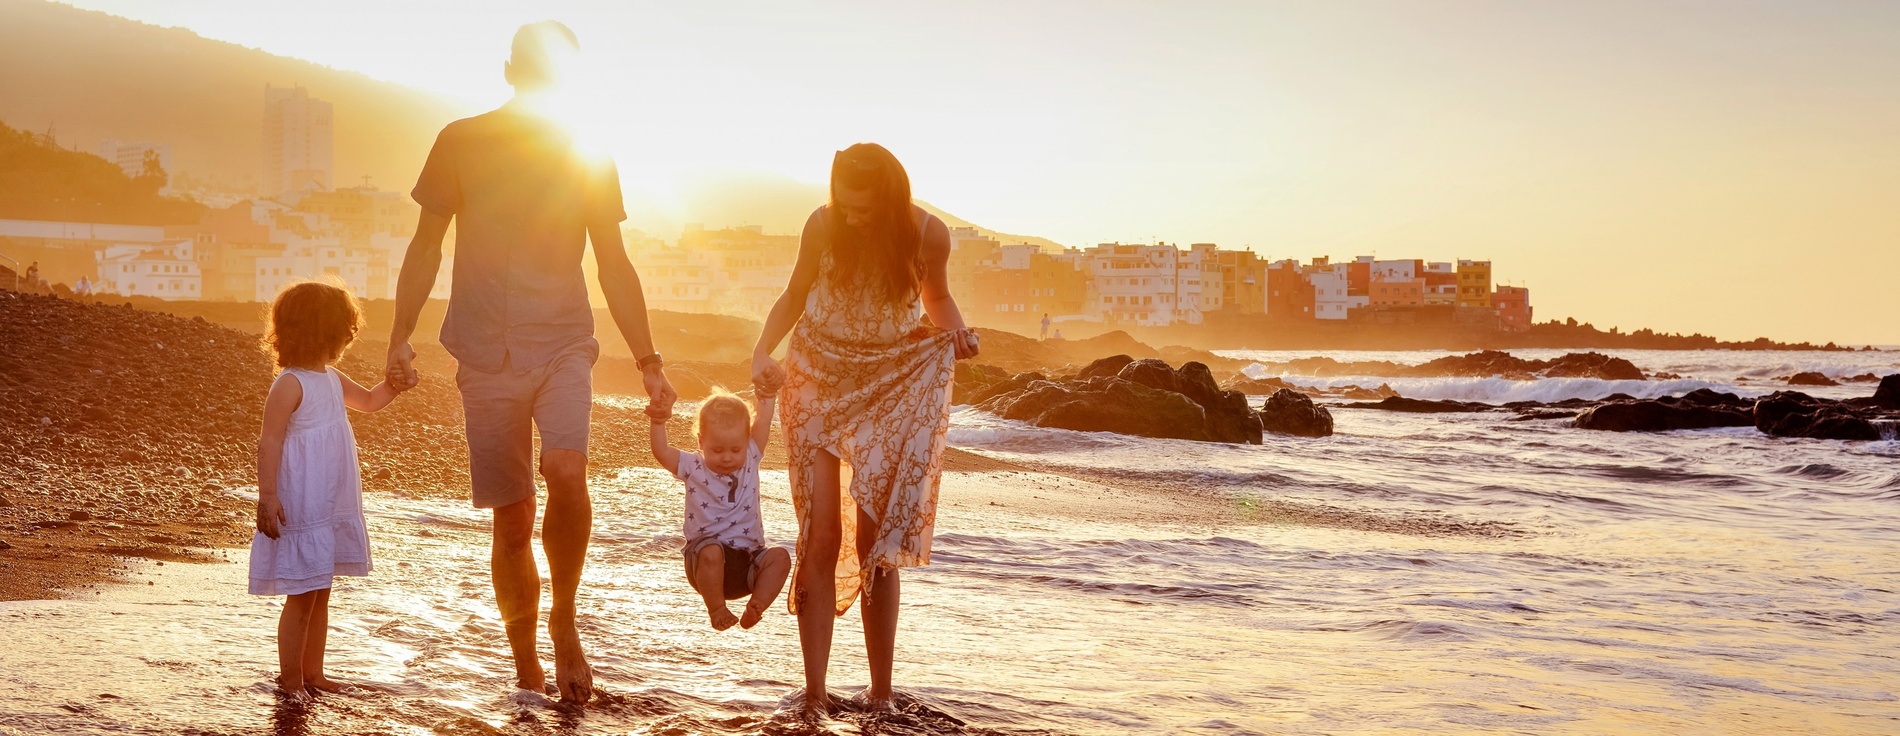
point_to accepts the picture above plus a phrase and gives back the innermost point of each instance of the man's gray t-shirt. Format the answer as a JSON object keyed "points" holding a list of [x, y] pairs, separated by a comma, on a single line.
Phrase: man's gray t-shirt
{"points": [[522, 195]]}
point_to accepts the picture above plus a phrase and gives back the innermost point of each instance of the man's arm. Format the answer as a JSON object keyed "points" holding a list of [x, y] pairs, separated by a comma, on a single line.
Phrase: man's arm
{"points": [[413, 284], [628, 305]]}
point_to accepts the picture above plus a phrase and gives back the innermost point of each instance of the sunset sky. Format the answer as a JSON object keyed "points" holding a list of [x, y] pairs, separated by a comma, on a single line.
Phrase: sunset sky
{"points": [[1725, 167]]}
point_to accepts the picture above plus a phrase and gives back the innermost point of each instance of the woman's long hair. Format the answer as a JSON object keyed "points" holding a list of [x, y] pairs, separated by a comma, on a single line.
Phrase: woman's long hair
{"points": [[891, 252]]}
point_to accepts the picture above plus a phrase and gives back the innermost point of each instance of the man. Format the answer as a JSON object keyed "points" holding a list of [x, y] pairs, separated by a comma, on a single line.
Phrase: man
{"points": [[1045, 326], [521, 329]]}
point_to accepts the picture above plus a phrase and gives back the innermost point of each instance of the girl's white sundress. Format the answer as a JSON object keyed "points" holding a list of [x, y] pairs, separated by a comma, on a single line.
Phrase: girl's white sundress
{"points": [[323, 534]]}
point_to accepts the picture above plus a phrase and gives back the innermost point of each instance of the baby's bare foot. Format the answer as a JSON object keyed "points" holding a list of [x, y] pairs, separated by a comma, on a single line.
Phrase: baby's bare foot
{"points": [[753, 613], [722, 617]]}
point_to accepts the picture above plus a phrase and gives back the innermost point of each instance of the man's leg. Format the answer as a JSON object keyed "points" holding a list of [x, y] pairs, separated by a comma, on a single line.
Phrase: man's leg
{"points": [[518, 589], [564, 535], [498, 407]]}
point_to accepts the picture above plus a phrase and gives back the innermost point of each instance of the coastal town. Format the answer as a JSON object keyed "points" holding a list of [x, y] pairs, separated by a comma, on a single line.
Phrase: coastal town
{"points": [[298, 221]]}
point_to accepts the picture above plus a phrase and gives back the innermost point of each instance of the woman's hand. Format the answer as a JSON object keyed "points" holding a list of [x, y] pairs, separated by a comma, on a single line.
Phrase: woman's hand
{"points": [[966, 343], [766, 372], [270, 515]]}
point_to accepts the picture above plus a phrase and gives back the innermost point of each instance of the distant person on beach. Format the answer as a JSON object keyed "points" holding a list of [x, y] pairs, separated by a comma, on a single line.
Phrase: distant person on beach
{"points": [[527, 199], [1045, 326], [310, 525], [726, 555], [82, 289], [1058, 333], [33, 277], [866, 383]]}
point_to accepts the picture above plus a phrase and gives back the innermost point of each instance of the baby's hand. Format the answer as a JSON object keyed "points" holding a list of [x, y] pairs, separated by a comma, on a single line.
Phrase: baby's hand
{"points": [[768, 385], [657, 413]]}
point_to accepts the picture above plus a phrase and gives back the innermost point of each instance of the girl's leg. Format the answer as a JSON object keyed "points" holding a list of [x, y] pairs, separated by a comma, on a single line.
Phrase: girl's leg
{"points": [[880, 616], [315, 642], [817, 581], [293, 626]]}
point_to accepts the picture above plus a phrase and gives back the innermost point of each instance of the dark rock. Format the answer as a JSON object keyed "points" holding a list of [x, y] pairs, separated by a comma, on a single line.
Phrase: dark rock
{"points": [[1795, 414], [1257, 386], [1291, 412], [1592, 365], [1154, 373], [1888, 395], [1105, 367], [4, 545], [1811, 378], [1700, 409], [1419, 406], [1361, 393], [79, 516], [1105, 405], [1862, 378]]}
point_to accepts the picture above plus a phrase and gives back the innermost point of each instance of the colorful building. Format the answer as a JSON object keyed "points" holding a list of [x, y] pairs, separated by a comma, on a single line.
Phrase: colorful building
{"points": [[1513, 304], [1474, 284]]}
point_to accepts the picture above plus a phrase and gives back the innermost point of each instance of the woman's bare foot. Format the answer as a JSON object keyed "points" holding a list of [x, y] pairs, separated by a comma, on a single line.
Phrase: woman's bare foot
{"points": [[323, 684], [571, 673], [722, 617], [753, 613]]}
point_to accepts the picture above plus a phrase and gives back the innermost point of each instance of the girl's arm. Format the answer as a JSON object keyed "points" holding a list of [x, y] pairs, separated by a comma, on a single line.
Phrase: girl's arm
{"points": [[665, 453], [762, 424], [285, 397], [366, 399], [791, 304], [938, 303]]}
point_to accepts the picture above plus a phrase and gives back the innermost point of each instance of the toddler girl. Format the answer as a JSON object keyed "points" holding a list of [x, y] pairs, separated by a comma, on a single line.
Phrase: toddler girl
{"points": [[726, 554], [309, 493]]}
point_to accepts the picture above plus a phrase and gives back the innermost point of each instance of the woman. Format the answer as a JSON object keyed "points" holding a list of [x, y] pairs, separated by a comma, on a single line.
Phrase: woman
{"points": [[867, 382]]}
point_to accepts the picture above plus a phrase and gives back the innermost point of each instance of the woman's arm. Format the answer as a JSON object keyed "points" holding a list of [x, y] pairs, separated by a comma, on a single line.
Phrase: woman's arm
{"points": [[662, 451], [938, 303], [791, 304], [285, 397], [366, 399]]}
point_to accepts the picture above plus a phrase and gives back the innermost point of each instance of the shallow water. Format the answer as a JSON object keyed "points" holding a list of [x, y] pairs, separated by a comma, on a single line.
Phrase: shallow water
{"points": [[1712, 581]]}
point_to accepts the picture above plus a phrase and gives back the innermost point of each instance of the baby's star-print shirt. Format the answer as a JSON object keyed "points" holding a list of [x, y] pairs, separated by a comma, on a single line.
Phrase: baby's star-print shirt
{"points": [[724, 507]]}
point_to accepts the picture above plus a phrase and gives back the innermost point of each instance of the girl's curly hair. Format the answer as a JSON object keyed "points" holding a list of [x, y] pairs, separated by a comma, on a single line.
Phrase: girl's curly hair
{"points": [[311, 323]]}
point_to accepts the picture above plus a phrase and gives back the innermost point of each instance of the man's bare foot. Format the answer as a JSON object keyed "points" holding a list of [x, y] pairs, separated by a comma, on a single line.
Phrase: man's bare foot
{"points": [[753, 612], [722, 617], [571, 672], [323, 684]]}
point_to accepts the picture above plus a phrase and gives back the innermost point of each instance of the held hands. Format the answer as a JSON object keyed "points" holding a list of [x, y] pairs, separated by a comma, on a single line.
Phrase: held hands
{"points": [[399, 372], [270, 515], [660, 395], [767, 376]]}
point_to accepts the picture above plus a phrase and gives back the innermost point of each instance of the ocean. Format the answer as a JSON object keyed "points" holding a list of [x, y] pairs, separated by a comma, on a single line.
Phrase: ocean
{"points": [[1421, 573]]}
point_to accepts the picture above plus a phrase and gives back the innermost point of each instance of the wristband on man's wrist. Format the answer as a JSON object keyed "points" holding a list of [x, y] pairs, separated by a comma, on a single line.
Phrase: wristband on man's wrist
{"points": [[647, 361]]}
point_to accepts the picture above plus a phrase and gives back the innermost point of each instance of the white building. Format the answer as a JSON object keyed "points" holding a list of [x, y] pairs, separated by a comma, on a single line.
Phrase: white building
{"points": [[1394, 270], [163, 270], [1198, 283], [1331, 297], [1133, 283], [677, 280], [130, 156], [297, 141], [310, 258]]}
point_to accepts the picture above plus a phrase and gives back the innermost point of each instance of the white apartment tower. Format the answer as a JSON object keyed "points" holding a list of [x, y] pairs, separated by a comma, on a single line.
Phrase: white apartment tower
{"points": [[297, 135]]}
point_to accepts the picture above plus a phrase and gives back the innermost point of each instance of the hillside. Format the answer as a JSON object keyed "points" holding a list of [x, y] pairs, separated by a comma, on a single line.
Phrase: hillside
{"points": [[88, 76], [45, 182]]}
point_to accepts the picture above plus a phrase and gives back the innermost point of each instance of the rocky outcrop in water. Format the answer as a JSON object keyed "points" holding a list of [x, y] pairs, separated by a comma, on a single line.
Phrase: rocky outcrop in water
{"points": [[1420, 406], [1795, 414], [1147, 398], [1482, 364], [1888, 395], [1291, 412], [1699, 409], [1811, 378]]}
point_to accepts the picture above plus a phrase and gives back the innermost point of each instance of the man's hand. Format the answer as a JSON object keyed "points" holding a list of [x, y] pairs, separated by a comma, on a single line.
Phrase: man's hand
{"points": [[400, 370], [270, 515], [660, 396]]}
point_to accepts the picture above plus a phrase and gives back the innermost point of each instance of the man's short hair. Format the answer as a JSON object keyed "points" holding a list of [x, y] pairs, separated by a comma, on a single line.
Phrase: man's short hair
{"points": [[531, 57]]}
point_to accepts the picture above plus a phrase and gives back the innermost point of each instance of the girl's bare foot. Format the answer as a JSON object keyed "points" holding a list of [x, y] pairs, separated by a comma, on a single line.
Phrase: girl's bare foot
{"points": [[753, 613], [323, 684], [722, 617]]}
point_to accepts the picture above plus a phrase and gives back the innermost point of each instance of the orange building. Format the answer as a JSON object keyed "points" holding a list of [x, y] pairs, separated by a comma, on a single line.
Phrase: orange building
{"points": [[1514, 308], [1243, 282], [1474, 284]]}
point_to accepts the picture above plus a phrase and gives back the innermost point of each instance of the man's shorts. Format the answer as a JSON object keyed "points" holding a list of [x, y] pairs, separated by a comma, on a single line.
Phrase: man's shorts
{"points": [[742, 567], [503, 409]]}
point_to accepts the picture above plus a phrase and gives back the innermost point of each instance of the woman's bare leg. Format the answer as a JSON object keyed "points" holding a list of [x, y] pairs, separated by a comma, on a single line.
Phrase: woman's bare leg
{"points": [[316, 639], [293, 626], [880, 615], [817, 581]]}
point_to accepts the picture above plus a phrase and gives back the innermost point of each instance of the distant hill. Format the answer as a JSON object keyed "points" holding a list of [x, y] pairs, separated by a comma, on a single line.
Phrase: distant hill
{"points": [[88, 76], [39, 181]]}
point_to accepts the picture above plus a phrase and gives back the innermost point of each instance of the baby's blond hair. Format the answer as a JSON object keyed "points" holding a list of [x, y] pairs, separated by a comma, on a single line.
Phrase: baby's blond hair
{"points": [[721, 407]]}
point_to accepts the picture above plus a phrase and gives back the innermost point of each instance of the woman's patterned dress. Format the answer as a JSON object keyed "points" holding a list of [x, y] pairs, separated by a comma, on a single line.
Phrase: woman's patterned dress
{"points": [[869, 383]]}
